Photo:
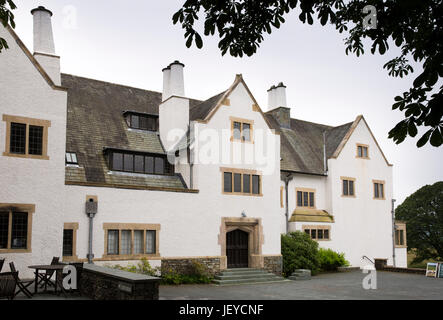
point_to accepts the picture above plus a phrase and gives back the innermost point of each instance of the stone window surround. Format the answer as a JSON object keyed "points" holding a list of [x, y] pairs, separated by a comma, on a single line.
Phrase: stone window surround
{"points": [[27, 121], [251, 129], [400, 225], [132, 227], [242, 172], [74, 227], [384, 189], [305, 190], [364, 146], [254, 228], [317, 227], [30, 209], [349, 179]]}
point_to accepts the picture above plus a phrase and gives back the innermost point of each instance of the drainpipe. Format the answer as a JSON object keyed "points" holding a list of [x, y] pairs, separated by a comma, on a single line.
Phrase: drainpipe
{"points": [[286, 179], [325, 164], [190, 160], [393, 231], [91, 210]]}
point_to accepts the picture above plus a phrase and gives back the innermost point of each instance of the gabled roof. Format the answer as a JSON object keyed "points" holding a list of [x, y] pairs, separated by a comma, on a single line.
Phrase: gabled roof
{"points": [[302, 145]]}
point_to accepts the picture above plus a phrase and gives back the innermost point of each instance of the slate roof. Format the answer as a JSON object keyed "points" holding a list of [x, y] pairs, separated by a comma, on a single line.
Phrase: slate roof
{"points": [[95, 121], [301, 145]]}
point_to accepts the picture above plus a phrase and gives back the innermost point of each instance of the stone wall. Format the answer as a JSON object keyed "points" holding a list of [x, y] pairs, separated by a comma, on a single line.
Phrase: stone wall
{"points": [[210, 265], [100, 283], [273, 264]]}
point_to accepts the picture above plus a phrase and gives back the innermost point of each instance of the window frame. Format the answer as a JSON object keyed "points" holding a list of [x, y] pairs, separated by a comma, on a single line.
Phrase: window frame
{"points": [[343, 179], [317, 228], [131, 227], [400, 226], [242, 123], [74, 227], [379, 182], [70, 155], [242, 172], [45, 124], [168, 168], [149, 118], [15, 207], [363, 146], [308, 191]]}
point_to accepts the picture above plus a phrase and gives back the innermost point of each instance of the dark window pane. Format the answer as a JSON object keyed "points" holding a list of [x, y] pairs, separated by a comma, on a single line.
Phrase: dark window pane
{"points": [[320, 234], [307, 231], [159, 165], [126, 241], [150, 241], [365, 152], [360, 151], [18, 138], [247, 183], [19, 234], [314, 234], [68, 237], [376, 190], [169, 167], [149, 164], [326, 234], [305, 199], [381, 193], [35, 140], [299, 198], [135, 122], [227, 182], [144, 123], [112, 241], [237, 182], [311, 199], [138, 163], [237, 130], [117, 161], [4, 227], [255, 184], [351, 187], [345, 188], [401, 237], [246, 132], [128, 164]]}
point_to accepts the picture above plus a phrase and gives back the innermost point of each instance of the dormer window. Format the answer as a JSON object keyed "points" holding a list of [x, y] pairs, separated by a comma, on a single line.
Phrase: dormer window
{"points": [[136, 162], [141, 121], [71, 158]]}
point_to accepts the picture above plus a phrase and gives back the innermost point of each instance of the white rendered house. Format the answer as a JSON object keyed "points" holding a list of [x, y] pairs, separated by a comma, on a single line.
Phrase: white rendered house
{"points": [[174, 179]]}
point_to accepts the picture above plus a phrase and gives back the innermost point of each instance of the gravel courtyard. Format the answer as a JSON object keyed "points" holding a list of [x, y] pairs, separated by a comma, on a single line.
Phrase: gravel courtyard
{"points": [[347, 285]]}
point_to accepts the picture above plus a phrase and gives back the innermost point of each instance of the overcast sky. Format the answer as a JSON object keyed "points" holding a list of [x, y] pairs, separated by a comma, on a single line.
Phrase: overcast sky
{"points": [[129, 42]]}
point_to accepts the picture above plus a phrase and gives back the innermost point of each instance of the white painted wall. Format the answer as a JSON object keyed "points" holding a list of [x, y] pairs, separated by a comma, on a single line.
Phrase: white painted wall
{"points": [[363, 225], [24, 92]]}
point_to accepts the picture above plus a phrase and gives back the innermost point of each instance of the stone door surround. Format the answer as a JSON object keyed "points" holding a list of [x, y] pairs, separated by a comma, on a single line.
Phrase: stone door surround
{"points": [[253, 227]]}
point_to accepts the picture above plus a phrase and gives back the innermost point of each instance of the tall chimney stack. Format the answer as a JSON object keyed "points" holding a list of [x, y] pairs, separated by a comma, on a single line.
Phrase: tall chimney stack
{"points": [[44, 48], [173, 80], [277, 105]]}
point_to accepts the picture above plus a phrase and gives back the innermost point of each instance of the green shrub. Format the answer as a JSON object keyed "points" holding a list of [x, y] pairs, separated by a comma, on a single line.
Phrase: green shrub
{"points": [[299, 252], [142, 267], [331, 260], [197, 274]]}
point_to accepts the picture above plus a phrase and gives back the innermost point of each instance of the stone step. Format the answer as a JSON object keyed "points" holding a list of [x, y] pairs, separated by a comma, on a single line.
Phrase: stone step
{"points": [[250, 281], [242, 276], [242, 272], [245, 276]]}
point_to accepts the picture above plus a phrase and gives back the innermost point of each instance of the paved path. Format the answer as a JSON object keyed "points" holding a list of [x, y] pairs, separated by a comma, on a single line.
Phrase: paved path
{"points": [[326, 286]]}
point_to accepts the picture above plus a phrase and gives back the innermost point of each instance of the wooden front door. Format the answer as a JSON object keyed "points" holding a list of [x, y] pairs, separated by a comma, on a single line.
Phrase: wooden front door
{"points": [[237, 249]]}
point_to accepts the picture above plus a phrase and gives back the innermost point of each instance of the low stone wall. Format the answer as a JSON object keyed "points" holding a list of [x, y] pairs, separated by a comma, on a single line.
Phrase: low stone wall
{"points": [[211, 265], [381, 265], [405, 270], [273, 264], [101, 283]]}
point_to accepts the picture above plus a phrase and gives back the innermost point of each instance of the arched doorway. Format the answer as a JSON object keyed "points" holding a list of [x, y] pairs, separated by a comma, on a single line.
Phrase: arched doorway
{"points": [[237, 249]]}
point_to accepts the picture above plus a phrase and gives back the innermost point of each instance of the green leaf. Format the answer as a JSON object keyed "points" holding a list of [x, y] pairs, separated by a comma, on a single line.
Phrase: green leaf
{"points": [[436, 138], [424, 139], [198, 41], [412, 129]]}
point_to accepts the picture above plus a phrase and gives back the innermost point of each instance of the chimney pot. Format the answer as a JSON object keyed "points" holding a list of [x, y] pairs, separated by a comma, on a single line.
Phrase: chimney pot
{"points": [[173, 80]]}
